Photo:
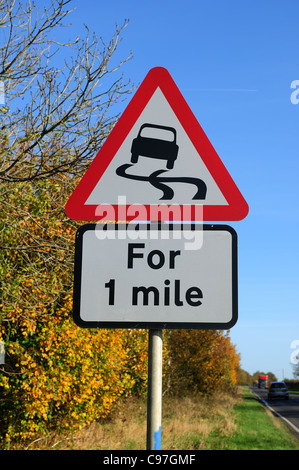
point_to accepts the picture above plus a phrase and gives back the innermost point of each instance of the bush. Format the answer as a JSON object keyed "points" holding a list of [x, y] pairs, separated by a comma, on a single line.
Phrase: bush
{"points": [[65, 376]]}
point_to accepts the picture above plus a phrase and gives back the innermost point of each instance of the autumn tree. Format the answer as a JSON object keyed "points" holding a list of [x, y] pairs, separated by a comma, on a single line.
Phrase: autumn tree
{"points": [[53, 120], [201, 360], [244, 378]]}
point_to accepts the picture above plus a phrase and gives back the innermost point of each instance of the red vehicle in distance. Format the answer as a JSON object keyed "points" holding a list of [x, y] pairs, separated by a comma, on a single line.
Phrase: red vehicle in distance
{"points": [[263, 381]]}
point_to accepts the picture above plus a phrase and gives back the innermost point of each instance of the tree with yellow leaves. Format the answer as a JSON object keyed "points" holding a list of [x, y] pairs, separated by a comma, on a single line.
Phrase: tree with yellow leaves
{"points": [[202, 360], [53, 121]]}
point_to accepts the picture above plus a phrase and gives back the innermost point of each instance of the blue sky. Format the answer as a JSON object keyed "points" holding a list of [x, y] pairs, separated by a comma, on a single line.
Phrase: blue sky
{"points": [[234, 63]]}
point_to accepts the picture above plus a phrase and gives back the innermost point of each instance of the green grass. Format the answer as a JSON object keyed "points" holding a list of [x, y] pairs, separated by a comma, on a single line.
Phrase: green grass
{"points": [[257, 429]]}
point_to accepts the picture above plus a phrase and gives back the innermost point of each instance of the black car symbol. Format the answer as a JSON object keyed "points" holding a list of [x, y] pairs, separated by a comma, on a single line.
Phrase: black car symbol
{"points": [[165, 148]]}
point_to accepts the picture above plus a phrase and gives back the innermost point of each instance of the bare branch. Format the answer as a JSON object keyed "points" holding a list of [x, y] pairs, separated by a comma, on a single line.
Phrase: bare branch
{"points": [[68, 106]]}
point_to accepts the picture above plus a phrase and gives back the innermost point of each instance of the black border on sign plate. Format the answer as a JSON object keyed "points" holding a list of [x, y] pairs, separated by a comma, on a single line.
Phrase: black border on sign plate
{"points": [[155, 325]]}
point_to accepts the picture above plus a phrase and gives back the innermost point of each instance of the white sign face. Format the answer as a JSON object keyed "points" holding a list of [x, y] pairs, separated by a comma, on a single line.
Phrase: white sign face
{"points": [[145, 276]]}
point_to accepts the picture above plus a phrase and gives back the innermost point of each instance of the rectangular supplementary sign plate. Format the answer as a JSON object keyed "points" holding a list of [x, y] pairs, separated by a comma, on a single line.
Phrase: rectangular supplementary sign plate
{"points": [[155, 276]]}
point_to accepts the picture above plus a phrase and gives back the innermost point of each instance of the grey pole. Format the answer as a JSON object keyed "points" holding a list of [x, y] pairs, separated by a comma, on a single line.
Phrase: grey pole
{"points": [[154, 394]]}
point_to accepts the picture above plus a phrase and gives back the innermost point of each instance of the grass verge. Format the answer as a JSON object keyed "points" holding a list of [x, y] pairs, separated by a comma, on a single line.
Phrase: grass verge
{"points": [[222, 422], [257, 429]]}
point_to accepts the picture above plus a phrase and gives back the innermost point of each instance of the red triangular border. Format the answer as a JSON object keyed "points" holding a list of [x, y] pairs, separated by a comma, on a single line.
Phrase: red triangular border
{"points": [[237, 208]]}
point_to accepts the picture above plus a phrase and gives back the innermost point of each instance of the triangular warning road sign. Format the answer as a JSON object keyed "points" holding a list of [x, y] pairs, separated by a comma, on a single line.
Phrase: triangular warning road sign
{"points": [[157, 154]]}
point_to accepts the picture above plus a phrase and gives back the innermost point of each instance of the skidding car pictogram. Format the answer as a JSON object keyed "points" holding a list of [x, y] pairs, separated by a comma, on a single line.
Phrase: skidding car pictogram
{"points": [[153, 147]]}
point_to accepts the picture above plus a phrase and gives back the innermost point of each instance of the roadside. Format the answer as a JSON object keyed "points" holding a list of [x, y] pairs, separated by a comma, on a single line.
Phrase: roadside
{"points": [[259, 429], [286, 411], [222, 422]]}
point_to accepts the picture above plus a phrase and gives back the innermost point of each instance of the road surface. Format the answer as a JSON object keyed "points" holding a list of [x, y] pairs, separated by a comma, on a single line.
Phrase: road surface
{"points": [[287, 410]]}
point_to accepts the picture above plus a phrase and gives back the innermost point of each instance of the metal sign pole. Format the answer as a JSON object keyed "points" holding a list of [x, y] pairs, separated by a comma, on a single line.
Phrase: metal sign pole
{"points": [[154, 395]]}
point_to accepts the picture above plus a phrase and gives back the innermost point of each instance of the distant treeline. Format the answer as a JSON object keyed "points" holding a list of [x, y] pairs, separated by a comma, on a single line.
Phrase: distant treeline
{"points": [[292, 384]]}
